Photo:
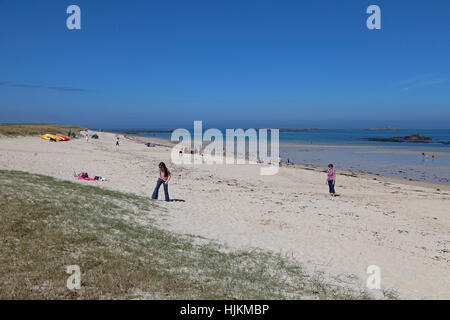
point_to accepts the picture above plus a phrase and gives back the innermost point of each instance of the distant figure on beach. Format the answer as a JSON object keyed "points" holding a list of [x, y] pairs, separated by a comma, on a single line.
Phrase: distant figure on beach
{"points": [[279, 161], [117, 141], [426, 156], [288, 162], [331, 179], [164, 177], [69, 133], [87, 137]]}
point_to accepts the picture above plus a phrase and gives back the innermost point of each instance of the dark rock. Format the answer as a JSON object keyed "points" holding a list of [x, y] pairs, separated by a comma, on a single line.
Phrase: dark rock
{"points": [[413, 138]]}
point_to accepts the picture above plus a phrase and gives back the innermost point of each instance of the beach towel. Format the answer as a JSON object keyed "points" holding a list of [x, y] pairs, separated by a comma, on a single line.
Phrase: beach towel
{"points": [[88, 179]]}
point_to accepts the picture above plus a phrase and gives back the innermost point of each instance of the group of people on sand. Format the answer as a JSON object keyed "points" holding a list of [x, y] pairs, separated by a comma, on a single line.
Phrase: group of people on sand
{"points": [[280, 162], [192, 150], [426, 156], [71, 134]]}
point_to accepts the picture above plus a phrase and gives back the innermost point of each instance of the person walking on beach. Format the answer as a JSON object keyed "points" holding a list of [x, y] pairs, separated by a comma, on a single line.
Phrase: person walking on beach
{"points": [[117, 141], [164, 177], [331, 179]]}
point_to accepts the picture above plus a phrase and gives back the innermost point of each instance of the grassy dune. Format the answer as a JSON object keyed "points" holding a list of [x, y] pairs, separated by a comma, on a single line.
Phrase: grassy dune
{"points": [[47, 224], [29, 129]]}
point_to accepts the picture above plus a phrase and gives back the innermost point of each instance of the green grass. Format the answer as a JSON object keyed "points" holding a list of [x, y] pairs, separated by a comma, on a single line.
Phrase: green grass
{"points": [[48, 224], [30, 129]]}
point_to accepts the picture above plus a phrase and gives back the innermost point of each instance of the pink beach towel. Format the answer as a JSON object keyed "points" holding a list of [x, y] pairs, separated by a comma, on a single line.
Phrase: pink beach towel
{"points": [[86, 179]]}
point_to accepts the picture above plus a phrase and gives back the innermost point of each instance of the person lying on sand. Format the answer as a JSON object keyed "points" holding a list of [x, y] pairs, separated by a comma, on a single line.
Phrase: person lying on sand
{"points": [[85, 176], [164, 177]]}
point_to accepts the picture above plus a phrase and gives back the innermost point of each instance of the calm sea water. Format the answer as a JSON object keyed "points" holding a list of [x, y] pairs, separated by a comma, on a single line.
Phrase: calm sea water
{"points": [[354, 152], [349, 137]]}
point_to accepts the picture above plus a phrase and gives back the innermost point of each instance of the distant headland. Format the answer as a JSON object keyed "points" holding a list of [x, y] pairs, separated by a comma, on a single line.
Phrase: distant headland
{"points": [[382, 129]]}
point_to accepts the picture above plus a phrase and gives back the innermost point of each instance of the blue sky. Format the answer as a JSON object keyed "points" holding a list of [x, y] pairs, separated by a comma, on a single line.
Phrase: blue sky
{"points": [[164, 64]]}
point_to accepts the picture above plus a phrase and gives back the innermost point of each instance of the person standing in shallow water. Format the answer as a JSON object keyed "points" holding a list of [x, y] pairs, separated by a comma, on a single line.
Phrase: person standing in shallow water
{"points": [[331, 179], [163, 179]]}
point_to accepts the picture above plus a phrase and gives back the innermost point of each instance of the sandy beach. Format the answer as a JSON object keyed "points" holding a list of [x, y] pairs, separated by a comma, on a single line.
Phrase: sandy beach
{"points": [[401, 226]]}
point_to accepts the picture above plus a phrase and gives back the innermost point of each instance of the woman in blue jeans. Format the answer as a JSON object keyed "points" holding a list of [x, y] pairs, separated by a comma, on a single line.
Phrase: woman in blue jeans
{"points": [[163, 179]]}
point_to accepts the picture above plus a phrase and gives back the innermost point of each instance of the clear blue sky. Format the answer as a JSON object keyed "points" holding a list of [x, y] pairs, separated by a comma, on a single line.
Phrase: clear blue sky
{"points": [[163, 64]]}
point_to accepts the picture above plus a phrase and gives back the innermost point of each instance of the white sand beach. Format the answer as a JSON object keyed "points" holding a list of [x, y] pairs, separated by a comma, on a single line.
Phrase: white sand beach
{"points": [[401, 226]]}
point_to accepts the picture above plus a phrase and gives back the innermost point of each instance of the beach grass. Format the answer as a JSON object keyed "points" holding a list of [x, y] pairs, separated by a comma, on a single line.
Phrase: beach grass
{"points": [[48, 224], [31, 129]]}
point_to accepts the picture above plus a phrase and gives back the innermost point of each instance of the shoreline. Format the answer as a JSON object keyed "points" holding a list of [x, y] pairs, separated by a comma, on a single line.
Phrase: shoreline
{"points": [[359, 146], [371, 176]]}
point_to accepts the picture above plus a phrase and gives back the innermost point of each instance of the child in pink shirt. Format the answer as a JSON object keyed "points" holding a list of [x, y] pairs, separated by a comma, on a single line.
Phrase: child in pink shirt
{"points": [[331, 179]]}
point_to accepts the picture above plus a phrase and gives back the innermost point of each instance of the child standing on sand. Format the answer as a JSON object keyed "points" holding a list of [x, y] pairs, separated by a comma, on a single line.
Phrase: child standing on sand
{"points": [[331, 179], [164, 177]]}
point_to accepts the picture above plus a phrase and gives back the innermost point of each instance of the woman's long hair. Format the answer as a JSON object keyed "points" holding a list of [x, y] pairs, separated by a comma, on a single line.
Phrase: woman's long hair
{"points": [[162, 166]]}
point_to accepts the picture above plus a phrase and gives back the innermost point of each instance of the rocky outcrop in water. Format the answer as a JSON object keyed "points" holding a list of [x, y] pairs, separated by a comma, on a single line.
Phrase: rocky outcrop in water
{"points": [[413, 138]]}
